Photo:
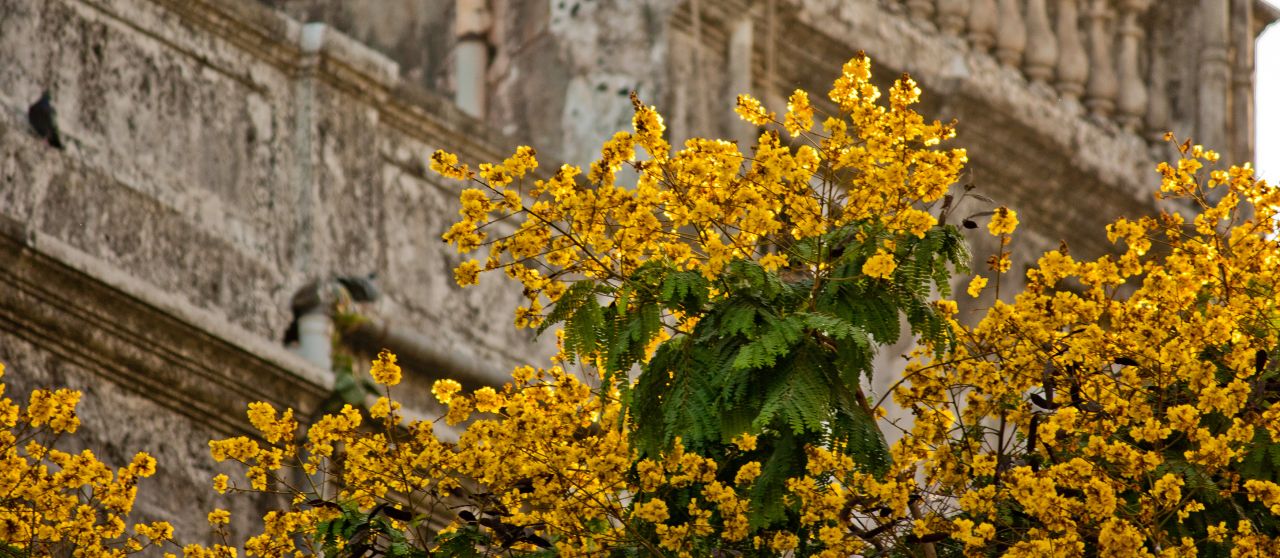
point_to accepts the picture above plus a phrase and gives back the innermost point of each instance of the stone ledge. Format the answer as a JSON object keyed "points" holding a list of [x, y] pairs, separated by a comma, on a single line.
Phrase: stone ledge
{"points": [[349, 66], [946, 67], [84, 310]]}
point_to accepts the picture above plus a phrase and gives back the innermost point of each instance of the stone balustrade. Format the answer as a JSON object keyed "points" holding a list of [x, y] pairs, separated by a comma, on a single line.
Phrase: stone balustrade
{"points": [[1099, 56]]}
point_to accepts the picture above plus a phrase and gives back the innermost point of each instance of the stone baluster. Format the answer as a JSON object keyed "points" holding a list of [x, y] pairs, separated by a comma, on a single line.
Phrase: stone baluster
{"points": [[1159, 112], [982, 24], [1073, 63], [1011, 36], [1132, 102], [1103, 86], [920, 10], [1042, 46], [951, 16]]}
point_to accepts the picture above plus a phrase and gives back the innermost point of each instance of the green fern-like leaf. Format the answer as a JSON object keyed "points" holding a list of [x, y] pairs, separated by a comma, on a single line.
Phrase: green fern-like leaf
{"points": [[577, 294], [583, 329]]}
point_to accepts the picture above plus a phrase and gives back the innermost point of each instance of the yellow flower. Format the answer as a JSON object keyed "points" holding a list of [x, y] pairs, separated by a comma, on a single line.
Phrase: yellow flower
{"points": [[653, 511], [488, 400], [1000, 263], [1168, 489], [219, 517], [385, 371], [220, 484], [784, 541], [156, 531], [748, 473], [976, 285], [446, 164], [263, 417], [880, 265], [522, 162], [947, 308], [467, 273], [383, 407], [1003, 222], [799, 117], [143, 465], [750, 110], [773, 261], [649, 128], [445, 389], [55, 408]]}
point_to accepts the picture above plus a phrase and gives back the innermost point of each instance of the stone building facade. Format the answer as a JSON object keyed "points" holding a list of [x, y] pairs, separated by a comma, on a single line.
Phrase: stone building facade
{"points": [[221, 155]]}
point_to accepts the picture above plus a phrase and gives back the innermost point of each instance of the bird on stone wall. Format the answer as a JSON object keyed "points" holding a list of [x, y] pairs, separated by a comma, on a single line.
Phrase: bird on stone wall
{"points": [[43, 118]]}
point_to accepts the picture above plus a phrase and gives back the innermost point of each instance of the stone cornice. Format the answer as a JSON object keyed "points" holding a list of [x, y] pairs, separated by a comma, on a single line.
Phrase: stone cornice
{"points": [[1265, 14], [344, 65], [83, 310]]}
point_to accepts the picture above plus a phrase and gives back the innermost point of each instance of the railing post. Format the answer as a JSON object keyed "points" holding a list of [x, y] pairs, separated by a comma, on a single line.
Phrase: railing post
{"points": [[983, 24], [1042, 46], [1011, 37], [951, 16], [921, 10], [1102, 85], [1073, 62], [1132, 102]]}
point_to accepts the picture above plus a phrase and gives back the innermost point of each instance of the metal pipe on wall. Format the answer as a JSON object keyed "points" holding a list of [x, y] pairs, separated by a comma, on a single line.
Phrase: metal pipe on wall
{"points": [[471, 56]]}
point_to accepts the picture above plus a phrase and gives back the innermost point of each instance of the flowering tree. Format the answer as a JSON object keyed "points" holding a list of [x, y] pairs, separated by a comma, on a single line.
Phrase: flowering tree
{"points": [[80, 506], [1124, 405], [718, 318], [1120, 406], [748, 291]]}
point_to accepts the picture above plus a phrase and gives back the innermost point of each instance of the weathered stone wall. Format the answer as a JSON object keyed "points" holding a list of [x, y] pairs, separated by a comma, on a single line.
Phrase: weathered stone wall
{"points": [[280, 167], [561, 71], [417, 34], [213, 167]]}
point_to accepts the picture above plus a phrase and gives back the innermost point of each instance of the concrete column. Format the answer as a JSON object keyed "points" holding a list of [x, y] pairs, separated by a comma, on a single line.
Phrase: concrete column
{"points": [[741, 46], [471, 56], [310, 43], [1242, 81], [1215, 76]]}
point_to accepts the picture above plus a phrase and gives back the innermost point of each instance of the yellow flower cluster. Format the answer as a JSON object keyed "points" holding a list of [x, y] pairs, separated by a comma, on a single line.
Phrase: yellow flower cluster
{"points": [[550, 458], [1116, 400], [706, 204], [385, 371], [54, 503]]}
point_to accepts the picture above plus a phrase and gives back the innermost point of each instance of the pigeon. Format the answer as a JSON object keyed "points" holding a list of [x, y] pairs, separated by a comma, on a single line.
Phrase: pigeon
{"points": [[42, 118]]}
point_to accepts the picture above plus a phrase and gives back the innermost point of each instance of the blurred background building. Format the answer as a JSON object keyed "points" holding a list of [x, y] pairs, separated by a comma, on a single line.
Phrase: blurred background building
{"points": [[241, 173]]}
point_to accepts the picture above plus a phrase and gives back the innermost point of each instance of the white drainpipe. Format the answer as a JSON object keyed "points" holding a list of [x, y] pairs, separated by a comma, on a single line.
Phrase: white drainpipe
{"points": [[312, 307], [315, 338], [471, 56]]}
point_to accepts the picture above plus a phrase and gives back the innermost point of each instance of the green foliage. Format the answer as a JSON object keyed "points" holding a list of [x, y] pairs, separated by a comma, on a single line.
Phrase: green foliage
{"points": [[780, 359], [357, 534]]}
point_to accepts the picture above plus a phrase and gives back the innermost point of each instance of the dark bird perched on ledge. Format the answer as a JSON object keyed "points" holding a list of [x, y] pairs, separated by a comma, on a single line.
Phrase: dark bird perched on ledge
{"points": [[42, 118]]}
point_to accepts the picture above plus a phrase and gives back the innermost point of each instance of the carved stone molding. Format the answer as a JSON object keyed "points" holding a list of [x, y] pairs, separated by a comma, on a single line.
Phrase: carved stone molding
{"points": [[82, 310]]}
